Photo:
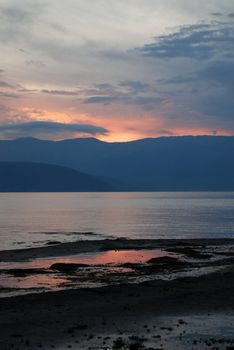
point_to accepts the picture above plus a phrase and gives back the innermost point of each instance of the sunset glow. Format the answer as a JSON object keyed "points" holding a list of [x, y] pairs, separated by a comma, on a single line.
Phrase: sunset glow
{"points": [[170, 75]]}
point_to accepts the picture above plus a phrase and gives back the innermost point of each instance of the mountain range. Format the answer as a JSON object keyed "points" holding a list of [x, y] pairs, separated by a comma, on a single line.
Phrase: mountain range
{"points": [[38, 177], [186, 163]]}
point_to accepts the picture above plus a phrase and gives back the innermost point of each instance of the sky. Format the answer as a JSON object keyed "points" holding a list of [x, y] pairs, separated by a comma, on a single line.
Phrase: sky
{"points": [[116, 70]]}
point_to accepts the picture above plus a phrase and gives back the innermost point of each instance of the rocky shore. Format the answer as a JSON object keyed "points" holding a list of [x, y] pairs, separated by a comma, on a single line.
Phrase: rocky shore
{"points": [[190, 311]]}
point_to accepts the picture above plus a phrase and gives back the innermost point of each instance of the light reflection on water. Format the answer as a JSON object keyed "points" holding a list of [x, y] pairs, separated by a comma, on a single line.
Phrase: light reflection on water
{"points": [[26, 218], [103, 269], [94, 258], [11, 286], [107, 257]]}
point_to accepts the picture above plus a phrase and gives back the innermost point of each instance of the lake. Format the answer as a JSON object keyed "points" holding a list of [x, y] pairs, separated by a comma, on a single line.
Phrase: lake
{"points": [[34, 219]]}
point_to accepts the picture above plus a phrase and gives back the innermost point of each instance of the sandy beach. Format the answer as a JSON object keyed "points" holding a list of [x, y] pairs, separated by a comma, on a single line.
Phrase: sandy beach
{"points": [[192, 311]]}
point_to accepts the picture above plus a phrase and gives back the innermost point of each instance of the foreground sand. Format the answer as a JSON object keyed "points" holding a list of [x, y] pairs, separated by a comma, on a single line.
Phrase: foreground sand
{"points": [[186, 313]]}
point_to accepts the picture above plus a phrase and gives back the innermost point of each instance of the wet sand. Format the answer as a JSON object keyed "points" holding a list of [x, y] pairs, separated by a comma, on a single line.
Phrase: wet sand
{"points": [[184, 313]]}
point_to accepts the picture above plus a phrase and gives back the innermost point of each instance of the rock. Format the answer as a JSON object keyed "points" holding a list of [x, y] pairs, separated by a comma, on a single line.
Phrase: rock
{"points": [[165, 260], [67, 267], [53, 242], [190, 252], [25, 272]]}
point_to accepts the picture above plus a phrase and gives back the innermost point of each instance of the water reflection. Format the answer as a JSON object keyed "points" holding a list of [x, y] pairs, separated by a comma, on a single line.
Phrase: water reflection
{"points": [[97, 258], [144, 215], [102, 268]]}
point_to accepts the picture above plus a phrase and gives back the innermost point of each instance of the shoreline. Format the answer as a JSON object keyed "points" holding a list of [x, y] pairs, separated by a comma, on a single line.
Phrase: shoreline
{"points": [[155, 314], [89, 246]]}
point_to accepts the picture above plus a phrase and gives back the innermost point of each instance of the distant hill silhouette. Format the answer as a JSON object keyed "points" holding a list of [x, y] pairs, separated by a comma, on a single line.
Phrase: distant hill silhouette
{"points": [[37, 177], [201, 163]]}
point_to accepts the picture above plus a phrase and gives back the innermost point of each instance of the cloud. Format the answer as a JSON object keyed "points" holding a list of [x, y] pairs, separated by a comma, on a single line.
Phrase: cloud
{"points": [[100, 99], [16, 14], [60, 92], [18, 20], [217, 14], [179, 79], [135, 86], [221, 72], [200, 94], [131, 97], [196, 41], [8, 95], [208, 91], [104, 87], [21, 88], [127, 92], [47, 128], [35, 63], [5, 84], [101, 64], [219, 106], [166, 132]]}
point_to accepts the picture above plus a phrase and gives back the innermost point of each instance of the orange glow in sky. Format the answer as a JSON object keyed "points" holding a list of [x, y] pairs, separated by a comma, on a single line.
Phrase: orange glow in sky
{"points": [[96, 69]]}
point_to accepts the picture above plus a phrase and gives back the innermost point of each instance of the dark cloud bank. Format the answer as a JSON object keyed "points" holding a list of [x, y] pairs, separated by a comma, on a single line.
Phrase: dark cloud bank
{"points": [[52, 129]]}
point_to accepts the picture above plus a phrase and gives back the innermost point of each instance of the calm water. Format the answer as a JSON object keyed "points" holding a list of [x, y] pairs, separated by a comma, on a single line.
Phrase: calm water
{"points": [[36, 218]]}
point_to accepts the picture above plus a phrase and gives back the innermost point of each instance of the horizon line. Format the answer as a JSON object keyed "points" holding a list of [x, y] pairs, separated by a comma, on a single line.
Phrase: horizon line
{"points": [[127, 141]]}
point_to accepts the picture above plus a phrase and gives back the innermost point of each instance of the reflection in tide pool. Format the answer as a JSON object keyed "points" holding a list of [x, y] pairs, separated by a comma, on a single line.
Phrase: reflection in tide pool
{"points": [[96, 258], [107, 257], [104, 268]]}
